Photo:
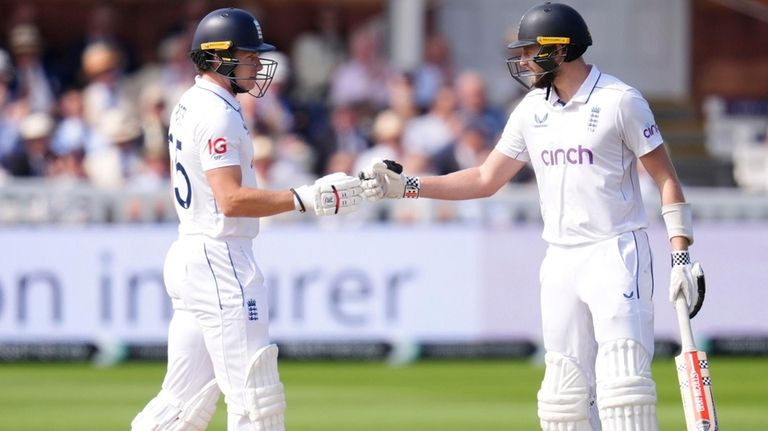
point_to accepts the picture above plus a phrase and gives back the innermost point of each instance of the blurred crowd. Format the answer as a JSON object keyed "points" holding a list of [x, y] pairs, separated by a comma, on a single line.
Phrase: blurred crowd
{"points": [[334, 104]]}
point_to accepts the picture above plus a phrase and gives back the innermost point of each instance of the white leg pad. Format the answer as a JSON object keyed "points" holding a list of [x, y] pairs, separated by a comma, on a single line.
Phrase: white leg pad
{"points": [[626, 393], [564, 397], [264, 394], [167, 413]]}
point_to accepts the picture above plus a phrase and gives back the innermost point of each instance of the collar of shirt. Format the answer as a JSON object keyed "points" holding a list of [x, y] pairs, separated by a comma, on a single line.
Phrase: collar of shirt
{"points": [[584, 92], [218, 90]]}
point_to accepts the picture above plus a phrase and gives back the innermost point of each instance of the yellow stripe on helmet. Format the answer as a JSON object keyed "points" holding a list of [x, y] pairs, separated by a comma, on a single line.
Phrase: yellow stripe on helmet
{"points": [[550, 40], [224, 44]]}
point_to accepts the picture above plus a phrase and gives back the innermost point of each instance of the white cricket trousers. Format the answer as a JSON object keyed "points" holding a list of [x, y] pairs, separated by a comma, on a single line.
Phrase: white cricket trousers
{"points": [[597, 293], [220, 318]]}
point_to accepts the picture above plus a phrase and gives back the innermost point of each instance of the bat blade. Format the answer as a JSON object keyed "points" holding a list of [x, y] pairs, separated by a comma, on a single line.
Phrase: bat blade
{"points": [[696, 390]]}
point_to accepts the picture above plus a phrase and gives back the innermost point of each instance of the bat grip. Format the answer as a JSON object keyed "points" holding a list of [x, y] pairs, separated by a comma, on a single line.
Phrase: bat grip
{"points": [[686, 335]]}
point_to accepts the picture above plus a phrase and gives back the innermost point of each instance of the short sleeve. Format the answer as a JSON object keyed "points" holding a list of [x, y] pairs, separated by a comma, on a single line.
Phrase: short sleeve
{"points": [[511, 143], [636, 124], [218, 139]]}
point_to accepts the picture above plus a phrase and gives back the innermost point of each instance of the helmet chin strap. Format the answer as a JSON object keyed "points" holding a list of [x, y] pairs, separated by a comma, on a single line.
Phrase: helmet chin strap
{"points": [[235, 87], [546, 80], [262, 80], [229, 73], [550, 67], [547, 60]]}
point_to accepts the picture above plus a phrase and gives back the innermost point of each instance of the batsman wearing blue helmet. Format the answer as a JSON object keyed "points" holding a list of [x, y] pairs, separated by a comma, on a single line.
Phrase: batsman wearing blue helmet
{"points": [[583, 132], [218, 337]]}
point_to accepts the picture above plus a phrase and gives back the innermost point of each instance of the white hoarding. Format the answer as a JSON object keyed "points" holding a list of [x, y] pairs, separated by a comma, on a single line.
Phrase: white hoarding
{"points": [[439, 283]]}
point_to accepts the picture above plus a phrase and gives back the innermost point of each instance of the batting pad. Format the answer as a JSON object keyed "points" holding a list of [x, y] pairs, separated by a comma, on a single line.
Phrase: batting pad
{"points": [[564, 396], [264, 394], [626, 393], [166, 413]]}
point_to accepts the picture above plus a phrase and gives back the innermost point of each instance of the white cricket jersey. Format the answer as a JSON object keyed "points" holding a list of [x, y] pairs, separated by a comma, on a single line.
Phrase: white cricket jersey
{"points": [[207, 131], [585, 154]]}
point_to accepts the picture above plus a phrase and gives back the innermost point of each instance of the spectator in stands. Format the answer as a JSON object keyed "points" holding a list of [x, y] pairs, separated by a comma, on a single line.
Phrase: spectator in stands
{"points": [[103, 27], [34, 156], [337, 146], [176, 73], [473, 102], [264, 158], [71, 137], [434, 72], [433, 131], [111, 166], [271, 114], [363, 78], [387, 134], [272, 174], [154, 119], [152, 175], [72, 133], [470, 149], [9, 135], [104, 92], [33, 86], [315, 54], [293, 149], [402, 99], [69, 167], [278, 168], [159, 86]]}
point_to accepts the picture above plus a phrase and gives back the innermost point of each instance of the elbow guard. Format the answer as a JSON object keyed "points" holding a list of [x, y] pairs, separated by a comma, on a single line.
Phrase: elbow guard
{"points": [[679, 220]]}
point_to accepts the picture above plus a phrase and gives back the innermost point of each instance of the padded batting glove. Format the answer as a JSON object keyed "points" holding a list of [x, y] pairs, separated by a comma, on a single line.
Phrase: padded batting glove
{"points": [[385, 179], [687, 279], [337, 193]]}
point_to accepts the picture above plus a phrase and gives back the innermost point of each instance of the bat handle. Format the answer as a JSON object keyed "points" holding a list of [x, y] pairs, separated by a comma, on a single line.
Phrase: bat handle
{"points": [[686, 335]]}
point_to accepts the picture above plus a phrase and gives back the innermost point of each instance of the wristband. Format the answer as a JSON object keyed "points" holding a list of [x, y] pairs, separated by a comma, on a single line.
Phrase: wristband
{"points": [[412, 187], [297, 202], [681, 257]]}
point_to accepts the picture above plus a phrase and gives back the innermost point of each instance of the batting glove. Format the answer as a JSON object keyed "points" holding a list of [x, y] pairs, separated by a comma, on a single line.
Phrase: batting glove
{"points": [[337, 193], [385, 179], [688, 280]]}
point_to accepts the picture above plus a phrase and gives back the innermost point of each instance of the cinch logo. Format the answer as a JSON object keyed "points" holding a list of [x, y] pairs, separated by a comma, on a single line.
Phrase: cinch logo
{"points": [[650, 130], [218, 146], [568, 156]]}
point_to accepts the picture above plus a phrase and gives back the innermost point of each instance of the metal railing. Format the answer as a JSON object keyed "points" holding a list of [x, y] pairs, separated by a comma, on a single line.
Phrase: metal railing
{"points": [[34, 201]]}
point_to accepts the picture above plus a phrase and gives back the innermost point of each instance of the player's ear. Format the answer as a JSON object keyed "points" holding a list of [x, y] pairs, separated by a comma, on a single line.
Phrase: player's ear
{"points": [[215, 62], [562, 52]]}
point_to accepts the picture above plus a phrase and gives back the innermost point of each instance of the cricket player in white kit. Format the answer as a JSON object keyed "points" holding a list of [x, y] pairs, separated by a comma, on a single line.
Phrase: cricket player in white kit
{"points": [[583, 132], [218, 336]]}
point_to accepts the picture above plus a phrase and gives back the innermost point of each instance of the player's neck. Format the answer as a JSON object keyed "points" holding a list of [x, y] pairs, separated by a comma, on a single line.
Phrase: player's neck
{"points": [[570, 78]]}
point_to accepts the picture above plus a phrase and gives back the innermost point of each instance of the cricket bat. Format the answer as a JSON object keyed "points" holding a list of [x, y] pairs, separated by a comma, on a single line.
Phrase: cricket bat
{"points": [[693, 376]]}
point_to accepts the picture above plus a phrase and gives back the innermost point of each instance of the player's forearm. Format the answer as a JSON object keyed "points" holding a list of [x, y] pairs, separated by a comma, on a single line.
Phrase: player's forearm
{"points": [[465, 184], [248, 202], [672, 193], [679, 243]]}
